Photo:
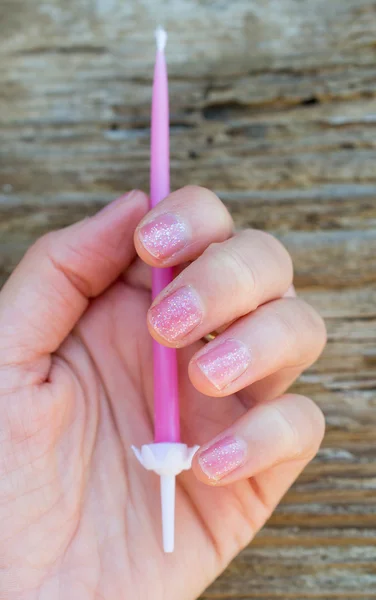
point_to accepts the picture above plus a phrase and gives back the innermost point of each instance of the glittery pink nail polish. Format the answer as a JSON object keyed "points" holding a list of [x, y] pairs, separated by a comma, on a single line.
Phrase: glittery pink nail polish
{"points": [[224, 363], [164, 236], [223, 457], [177, 314]]}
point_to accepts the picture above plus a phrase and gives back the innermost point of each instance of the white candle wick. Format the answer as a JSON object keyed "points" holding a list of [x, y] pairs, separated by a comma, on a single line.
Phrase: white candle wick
{"points": [[161, 37]]}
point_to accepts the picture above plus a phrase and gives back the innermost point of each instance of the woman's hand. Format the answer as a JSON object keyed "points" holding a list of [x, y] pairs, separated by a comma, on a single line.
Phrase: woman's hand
{"points": [[79, 517]]}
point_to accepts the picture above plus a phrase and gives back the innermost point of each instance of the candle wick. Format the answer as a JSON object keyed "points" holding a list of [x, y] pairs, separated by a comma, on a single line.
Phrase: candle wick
{"points": [[161, 37]]}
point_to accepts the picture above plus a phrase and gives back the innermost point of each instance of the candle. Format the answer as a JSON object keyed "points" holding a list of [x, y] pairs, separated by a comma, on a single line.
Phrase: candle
{"points": [[167, 456], [166, 400]]}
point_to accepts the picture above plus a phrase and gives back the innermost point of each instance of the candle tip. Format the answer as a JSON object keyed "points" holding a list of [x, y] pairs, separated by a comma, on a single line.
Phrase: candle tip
{"points": [[161, 37]]}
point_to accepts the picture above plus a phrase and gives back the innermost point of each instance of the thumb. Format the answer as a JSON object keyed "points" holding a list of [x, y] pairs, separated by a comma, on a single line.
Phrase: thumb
{"points": [[51, 287]]}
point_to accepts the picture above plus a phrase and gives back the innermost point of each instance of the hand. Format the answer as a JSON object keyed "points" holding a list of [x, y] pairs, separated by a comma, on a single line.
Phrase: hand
{"points": [[80, 518]]}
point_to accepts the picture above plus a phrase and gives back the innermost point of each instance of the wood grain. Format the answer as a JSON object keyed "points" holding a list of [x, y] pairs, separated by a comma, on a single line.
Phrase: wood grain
{"points": [[273, 107]]}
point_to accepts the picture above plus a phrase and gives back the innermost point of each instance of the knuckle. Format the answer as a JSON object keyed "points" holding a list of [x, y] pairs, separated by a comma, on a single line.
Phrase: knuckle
{"points": [[288, 334], [42, 245], [316, 327], [68, 267], [242, 272], [302, 331], [321, 332], [279, 251], [274, 243], [268, 243], [288, 433], [199, 190], [321, 425], [314, 429], [201, 194], [205, 196], [68, 255], [284, 260], [301, 427]]}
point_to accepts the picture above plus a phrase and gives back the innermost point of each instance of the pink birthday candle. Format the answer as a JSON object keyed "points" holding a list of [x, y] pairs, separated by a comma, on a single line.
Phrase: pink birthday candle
{"points": [[166, 400], [167, 456]]}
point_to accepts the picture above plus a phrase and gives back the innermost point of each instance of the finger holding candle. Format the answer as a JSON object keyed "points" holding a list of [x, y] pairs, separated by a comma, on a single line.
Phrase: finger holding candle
{"points": [[283, 336], [227, 282], [182, 226], [286, 430]]}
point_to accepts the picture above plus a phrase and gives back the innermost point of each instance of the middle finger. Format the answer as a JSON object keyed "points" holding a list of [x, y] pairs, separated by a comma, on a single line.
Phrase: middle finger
{"points": [[226, 282]]}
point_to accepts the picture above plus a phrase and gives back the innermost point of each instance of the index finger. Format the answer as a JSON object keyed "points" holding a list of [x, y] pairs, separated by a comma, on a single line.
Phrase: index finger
{"points": [[180, 227]]}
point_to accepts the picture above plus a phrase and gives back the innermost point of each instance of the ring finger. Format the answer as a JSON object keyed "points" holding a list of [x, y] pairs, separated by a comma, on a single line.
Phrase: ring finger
{"points": [[283, 335]]}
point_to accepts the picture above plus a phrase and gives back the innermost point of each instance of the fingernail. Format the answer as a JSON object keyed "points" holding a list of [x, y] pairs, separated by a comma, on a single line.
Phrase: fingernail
{"points": [[177, 314], [224, 363], [164, 236], [115, 203], [223, 457]]}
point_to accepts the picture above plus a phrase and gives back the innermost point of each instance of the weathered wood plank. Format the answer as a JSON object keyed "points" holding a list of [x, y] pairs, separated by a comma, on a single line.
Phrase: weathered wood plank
{"points": [[274, 107]]}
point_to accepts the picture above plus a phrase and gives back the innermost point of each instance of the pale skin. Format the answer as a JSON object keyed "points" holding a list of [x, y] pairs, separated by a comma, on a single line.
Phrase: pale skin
{"points": [[79, 516]]}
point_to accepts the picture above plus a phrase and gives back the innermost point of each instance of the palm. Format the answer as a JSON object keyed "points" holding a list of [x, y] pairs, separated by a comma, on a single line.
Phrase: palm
{"points": [[96, 531], [80, 518]]}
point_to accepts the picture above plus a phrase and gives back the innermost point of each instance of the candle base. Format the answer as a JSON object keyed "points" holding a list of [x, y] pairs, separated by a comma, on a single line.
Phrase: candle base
{"points": [[166, 460], [168, 484]]}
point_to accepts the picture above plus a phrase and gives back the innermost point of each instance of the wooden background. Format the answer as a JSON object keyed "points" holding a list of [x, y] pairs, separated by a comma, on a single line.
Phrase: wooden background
{"points": [[273, 107]]}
